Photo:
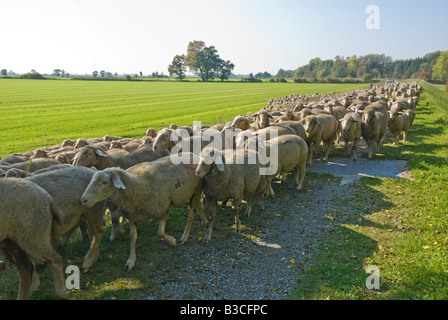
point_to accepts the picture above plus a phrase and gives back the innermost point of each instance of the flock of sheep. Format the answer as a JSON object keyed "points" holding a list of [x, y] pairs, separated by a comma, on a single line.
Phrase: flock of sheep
{"points": [[50, 192]]}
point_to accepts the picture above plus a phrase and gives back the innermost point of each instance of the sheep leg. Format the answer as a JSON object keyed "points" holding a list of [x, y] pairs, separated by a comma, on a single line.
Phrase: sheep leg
{"points": [[95, 228], [65, 237], [299, 176], [132, 256], [26, 269], [329, 146], [236, 204], [116, 225], [268, 189], [210, 206], [369, 149], [355, 149], [161, 232], [249, 205], [404, 137], [186, 233], [310, 154], [58, 278]]}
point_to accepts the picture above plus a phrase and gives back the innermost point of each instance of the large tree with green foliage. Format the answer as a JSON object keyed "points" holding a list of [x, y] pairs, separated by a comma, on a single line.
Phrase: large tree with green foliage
{"points": [[440, 69], [206, 62], [177, 68]]}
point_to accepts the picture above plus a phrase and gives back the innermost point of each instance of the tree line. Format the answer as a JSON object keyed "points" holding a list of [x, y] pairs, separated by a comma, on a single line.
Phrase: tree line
{"points": [[433, 66]]}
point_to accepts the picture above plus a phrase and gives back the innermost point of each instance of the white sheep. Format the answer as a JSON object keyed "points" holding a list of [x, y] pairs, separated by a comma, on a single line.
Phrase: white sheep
{"points": [[292, 154], [28, 217], [94, 156], [351, 133], [320, 128], [226, 177], [148, 190], [66, 185], [373, 129]]}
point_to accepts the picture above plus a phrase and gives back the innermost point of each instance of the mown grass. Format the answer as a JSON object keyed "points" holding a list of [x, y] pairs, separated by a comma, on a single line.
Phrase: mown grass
{"points": [[400, 226], [38, 113]]}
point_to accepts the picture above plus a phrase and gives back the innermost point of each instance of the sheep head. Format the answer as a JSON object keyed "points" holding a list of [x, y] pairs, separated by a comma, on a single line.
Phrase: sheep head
{"points": [[103, 185], [211, 160], [89, 156]]}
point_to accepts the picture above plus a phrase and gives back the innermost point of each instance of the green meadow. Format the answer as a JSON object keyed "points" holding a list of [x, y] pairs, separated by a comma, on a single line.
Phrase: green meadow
{"points": [[38, 113]]}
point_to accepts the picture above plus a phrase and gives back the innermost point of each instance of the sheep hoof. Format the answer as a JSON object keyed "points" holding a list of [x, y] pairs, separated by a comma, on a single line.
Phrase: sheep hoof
{"points": [[129, 265]]}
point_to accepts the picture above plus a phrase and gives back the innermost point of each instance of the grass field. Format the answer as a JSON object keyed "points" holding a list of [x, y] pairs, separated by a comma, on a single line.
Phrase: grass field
{"points": [[37, 113]]}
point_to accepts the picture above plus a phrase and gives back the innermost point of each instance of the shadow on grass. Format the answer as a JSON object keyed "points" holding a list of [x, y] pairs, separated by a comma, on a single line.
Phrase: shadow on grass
{"points": [[337, 271]]}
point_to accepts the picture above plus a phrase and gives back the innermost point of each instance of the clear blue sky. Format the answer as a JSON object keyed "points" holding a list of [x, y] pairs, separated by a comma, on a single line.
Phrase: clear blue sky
{"points": [[128, 36]]}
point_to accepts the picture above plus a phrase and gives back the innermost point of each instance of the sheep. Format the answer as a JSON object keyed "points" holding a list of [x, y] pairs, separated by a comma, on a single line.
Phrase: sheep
{"points": [[225, 178], [151, 133], [399, 123], [242, 122], [94, 156], [297, 126], [337, 111], [66, 185], [13, 159], [262, 118], [168, 138], [34, 164], [28, 217], [318, 128], [147, 190], [411, 114], [351, 132], [373, 130], [292, 154]]}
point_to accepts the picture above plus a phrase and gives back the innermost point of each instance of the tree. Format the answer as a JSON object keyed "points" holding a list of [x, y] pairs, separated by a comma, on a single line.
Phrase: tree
{"points": [[351, 68], [440, 69], [4, 72], [103, 73], [95, 73], [205, 61], [57, 72], [177, 68], [191, 59], [424, 75]]}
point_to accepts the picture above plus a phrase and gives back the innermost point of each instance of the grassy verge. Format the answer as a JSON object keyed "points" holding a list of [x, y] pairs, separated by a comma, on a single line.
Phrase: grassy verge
{"points": [[399, 226]]}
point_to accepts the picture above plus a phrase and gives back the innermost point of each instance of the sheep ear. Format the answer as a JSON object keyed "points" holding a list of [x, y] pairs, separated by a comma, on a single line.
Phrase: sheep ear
{"points": [[100, 152], [270, 115], [174, 135], [117, 182], [254, 115], [218, 161], [261, 144]]}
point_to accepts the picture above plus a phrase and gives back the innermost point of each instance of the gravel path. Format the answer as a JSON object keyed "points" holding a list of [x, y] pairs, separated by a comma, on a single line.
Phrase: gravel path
{"points": [[263, 260]]}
